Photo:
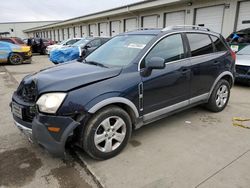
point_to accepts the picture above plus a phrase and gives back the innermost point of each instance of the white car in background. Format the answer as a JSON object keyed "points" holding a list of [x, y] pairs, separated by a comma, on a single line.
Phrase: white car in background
{"points": [[64, 43]]}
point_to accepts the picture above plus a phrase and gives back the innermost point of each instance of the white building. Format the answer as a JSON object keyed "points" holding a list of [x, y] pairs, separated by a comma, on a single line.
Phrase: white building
{"points": [[223, 16], [15, 29]]}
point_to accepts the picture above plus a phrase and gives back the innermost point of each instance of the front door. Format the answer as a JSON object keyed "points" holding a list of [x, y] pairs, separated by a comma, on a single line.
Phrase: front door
{"points": [[166, 89]]}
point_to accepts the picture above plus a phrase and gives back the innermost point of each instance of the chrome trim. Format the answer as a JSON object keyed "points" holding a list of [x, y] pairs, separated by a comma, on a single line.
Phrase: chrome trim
{"points": [[165, 110], [113, 100], [218, 78], [171, 33], [25, 130], [199, 98], [177, 106], [140, 89]]}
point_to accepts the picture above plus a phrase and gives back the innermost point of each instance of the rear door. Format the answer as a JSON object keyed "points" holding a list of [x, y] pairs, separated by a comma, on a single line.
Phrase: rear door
{"points": [[205, 64], [166, 89]]}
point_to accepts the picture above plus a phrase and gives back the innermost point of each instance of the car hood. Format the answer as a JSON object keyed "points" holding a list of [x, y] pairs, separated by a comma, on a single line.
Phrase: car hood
{"points": [[69, 76], [243, 60]]}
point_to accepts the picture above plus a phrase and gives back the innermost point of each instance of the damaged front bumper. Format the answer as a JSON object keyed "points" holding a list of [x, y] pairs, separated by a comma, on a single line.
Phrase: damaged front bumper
{"points": [[38, 131]]}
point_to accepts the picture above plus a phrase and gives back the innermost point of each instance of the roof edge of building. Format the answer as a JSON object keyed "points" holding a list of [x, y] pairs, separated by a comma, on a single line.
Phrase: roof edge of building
{"points": [[60, 23]]}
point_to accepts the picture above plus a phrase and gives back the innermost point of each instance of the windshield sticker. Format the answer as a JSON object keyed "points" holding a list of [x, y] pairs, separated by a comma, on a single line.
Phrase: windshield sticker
{"points": [[133, 45]]}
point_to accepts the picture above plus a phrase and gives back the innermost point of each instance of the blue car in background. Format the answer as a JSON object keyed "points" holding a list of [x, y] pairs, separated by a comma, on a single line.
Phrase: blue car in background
{"points": [[82, 48], [14, 54]]}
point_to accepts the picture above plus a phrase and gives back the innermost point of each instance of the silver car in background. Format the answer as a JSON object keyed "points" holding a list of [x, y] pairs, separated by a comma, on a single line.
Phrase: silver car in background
{"points": [[64, 43], [243, 65]]}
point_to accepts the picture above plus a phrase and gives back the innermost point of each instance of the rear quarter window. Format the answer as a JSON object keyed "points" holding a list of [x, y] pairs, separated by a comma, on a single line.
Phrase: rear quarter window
{"points": [[200, 44], [219, 45]]}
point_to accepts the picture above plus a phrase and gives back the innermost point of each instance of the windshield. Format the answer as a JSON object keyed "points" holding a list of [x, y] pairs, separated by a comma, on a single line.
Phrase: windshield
{"points": [[63, 42], [244, 51], [120, 50], [81, 42]]}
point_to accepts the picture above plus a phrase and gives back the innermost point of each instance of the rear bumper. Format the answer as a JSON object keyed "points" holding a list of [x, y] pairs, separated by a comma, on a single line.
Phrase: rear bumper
{"points": [[242, 78], [37, 131]]}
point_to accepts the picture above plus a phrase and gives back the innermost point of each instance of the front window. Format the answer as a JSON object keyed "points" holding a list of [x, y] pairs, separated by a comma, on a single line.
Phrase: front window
{"points": [[120, 50], [170, 49]]}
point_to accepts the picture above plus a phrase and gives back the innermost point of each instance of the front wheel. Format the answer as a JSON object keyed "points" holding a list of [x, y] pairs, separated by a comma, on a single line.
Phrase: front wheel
{"points": [[107, 133], [219, 97], [15, 59]]}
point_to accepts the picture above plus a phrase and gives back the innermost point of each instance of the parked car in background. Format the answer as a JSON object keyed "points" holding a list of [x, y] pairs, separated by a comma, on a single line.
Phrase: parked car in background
{"points": [[239, 39], [64, 43], [243, 65], [14, 54], [82, 48], [13, 40], [39, 45], [133, 79]]}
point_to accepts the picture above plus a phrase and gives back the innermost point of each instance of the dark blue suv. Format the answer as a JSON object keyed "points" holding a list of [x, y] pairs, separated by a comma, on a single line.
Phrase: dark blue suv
{"points": [[134, 79]]}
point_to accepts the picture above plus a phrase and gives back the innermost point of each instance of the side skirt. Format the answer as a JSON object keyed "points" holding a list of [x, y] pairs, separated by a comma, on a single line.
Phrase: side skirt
{"points": [[170, 110]]}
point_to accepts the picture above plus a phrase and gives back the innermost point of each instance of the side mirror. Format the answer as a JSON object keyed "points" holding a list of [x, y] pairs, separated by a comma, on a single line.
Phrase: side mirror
{"points": [[155, 63]]}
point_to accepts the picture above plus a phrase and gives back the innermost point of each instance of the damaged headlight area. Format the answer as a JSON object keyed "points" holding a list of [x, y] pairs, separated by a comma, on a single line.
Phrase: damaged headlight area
{"points": [[50, 102]]}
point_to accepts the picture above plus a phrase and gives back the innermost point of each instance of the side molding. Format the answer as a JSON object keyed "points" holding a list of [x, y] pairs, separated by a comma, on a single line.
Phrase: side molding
{"points": [[218, 78], [113, 100]]}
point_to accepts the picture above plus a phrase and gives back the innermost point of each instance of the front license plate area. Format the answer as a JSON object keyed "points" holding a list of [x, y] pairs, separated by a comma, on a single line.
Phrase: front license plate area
{"points": [[17, 110]]}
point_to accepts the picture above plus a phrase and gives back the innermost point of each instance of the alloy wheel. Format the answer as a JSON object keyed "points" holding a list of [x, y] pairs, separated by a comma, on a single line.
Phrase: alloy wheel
{"points": [[222, 96], [110, 134]]}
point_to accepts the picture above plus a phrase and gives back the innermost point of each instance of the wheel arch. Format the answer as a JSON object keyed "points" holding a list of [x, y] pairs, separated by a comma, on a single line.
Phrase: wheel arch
{"points": [[121, 102], [227, 75]]}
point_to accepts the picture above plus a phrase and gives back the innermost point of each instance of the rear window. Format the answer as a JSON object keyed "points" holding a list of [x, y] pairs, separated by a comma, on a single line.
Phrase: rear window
{"points": [[219, 46], [200, 44]]}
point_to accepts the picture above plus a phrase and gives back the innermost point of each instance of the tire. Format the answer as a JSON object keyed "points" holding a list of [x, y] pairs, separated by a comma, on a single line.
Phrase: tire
{"points": [[102, 125], [43, 51], [219, 97], [15, 59]]}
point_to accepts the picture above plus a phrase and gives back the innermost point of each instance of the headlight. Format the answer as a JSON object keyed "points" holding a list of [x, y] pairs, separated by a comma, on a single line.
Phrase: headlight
{"points": [[50, 102]]}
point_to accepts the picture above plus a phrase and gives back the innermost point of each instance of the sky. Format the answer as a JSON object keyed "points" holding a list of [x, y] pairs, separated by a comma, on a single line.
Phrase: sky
{"points": [[45, 10]]}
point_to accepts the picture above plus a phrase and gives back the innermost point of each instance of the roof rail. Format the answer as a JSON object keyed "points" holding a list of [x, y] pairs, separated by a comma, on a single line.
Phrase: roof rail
{"points": [[145, 28], [173, 27]]}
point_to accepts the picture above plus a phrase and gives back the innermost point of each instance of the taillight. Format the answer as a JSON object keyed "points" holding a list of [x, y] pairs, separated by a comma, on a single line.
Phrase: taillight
{"points": [[233, 54]]}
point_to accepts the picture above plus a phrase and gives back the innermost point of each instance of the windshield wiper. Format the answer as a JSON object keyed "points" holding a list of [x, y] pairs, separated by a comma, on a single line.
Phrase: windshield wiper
{"points": [[95, 63]]}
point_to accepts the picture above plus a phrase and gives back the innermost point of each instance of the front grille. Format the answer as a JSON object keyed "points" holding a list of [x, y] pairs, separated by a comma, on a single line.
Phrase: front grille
{"points": [[240, 69], [28, 92]]}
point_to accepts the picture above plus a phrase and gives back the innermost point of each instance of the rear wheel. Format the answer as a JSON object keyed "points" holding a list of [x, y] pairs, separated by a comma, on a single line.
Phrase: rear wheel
{"points": [[15, 59], [107, 133], [219, 97]]}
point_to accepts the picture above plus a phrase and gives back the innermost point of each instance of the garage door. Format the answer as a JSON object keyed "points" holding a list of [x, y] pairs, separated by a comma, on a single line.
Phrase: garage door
{"points": [[210, 17], [65, 33], [244, 15], [71, 32], [130, 24], [56, 35], [115, 28], [92, 30], [175, 18], [103, 29], [61, 34], [77, 31], [84, 31], [150, 21]]}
